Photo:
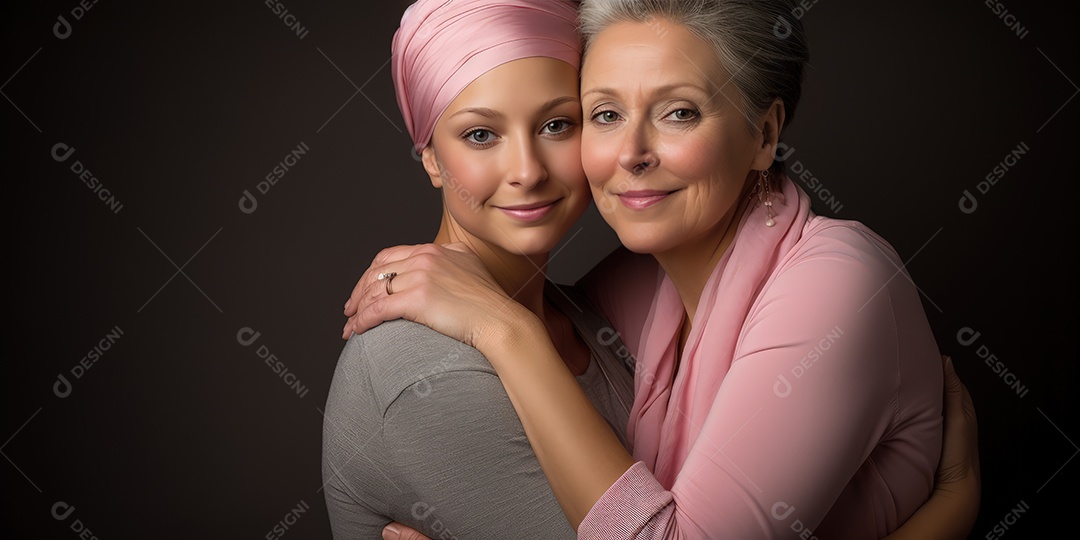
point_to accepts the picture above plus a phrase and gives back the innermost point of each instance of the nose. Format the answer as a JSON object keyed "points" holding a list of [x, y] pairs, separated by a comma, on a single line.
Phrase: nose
{"points": [[526, 169], [638, 153]]}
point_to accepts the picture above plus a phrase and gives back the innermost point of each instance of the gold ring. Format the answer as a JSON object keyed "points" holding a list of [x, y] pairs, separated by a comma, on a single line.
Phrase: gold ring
{"points": [[388, 277]]}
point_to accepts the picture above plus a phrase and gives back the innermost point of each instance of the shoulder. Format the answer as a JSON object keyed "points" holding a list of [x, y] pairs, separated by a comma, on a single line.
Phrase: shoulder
{"points": [[839, 274], [397, 355], [846, 240], [839, 255]]}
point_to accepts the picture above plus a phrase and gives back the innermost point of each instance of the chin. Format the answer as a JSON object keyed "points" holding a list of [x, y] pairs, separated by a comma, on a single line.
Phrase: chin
{"points": [[533, 241], [646, 238]]}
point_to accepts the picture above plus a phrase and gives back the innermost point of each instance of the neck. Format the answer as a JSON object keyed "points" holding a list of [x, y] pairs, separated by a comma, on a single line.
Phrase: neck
{"points": [[521, 276], [691, 263]]}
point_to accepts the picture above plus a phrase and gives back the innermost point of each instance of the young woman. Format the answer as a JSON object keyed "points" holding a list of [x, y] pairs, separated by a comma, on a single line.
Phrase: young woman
{"points": [[418, 428], [786, 385]]}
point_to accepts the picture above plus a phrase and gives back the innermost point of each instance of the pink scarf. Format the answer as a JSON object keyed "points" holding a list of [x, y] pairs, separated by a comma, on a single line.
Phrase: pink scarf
{"points": [[443, 45], [668, 415]]}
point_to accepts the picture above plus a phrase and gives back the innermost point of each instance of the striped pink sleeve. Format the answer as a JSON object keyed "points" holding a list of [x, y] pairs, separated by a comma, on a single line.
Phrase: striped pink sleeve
{"points": [[635, 506]]}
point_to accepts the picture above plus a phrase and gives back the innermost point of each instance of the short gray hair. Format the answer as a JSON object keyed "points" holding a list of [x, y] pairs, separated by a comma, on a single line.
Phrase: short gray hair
{"points": [[761, 43]]}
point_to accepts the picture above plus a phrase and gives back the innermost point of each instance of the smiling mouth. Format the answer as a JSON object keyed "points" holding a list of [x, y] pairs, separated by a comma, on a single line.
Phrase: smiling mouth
{"points": [[529, 213], [640, 200]]}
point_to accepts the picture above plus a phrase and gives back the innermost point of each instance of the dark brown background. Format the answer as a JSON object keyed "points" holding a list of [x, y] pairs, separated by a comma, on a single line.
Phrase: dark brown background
{"points": [[177, 108]]}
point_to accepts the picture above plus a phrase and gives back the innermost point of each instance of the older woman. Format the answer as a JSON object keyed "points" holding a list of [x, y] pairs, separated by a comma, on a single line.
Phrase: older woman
{"points": [[786, 384]]}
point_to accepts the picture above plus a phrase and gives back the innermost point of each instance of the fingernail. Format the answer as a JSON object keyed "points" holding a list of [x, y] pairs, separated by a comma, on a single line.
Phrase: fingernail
{"points": [[391, 532], [347, 303]]}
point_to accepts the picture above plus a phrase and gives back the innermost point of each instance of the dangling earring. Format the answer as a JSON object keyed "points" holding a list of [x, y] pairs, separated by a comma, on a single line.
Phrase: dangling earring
{"points": [[765, 196]]}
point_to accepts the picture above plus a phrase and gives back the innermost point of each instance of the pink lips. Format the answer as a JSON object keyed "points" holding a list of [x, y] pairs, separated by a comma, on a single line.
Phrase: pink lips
{"points": [[529, 213], [640, 200]]}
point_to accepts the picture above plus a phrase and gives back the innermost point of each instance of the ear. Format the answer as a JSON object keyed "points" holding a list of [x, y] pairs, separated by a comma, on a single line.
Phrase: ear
{"points": [[431, 165], [771, 124]]}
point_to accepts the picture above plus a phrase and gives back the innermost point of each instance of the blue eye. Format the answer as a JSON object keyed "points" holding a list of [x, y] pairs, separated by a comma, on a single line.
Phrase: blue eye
{"points": [[479, 137]]}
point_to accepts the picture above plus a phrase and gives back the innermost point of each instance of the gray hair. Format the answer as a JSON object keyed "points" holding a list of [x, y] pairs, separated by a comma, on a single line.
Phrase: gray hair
{"points": [[761, 43]]}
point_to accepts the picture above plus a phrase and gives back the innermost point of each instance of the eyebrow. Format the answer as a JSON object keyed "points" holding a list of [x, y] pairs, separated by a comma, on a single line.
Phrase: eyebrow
{"points": [[482, 111], [659, 90], [559, 101], [493, 114]]}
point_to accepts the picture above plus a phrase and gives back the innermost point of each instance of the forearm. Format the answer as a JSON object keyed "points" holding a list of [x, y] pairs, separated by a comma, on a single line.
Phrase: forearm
{"points": [[949, 514], [578, 452]]}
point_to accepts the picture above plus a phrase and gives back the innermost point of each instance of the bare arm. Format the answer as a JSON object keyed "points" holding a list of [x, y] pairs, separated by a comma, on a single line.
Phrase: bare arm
{"points": [[580, 455]]}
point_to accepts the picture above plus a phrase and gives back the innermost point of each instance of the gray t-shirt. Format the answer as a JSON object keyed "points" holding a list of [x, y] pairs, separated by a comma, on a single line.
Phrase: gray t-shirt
{"points": [[419, 430]]}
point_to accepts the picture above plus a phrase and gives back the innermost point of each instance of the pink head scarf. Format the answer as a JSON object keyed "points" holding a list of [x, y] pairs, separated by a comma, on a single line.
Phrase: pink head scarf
{"points": [[443, 45]]}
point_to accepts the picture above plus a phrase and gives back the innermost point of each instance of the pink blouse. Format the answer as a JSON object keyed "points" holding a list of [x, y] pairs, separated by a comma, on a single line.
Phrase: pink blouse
{"points": [[807, 402]]}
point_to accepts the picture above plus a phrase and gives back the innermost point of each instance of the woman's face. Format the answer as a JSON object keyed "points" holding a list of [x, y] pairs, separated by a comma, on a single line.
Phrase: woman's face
{"points": [[507, 154], [666, 142]]}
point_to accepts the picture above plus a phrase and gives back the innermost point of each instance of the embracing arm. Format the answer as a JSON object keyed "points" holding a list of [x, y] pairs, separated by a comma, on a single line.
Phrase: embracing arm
{"points": [[580, 454], [583, 459], [951, 511], [447, 288]]}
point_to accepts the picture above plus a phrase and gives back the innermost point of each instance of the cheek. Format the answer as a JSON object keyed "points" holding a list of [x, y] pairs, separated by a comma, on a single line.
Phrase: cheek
{"points": [[564, 164], [599, 158], [715, 171], [470, 175], [694, 157]]}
